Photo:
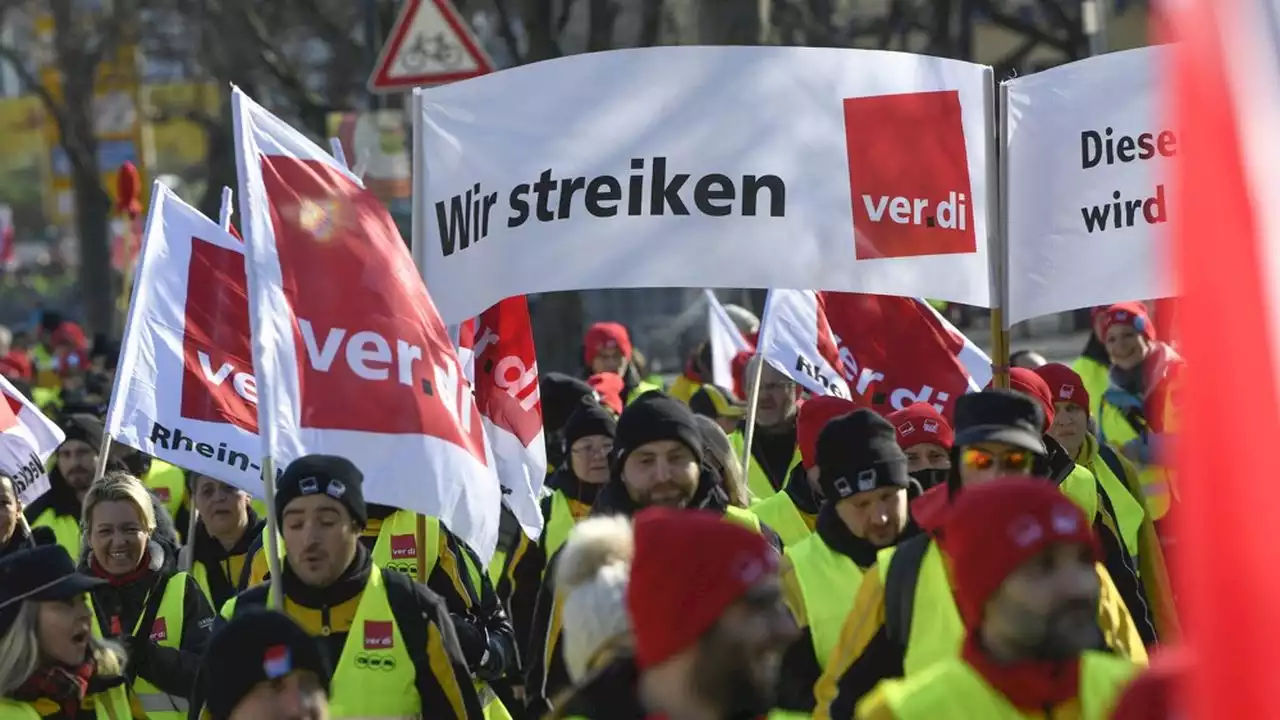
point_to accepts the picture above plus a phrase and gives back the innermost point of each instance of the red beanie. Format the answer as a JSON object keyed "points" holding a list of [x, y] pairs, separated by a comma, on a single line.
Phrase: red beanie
{"points": [[995, 527], [609, 387], [920, 423], [1064, 384], [1132, 314], [689, 567], [603, 335], [1030, 384], [813, 415]]}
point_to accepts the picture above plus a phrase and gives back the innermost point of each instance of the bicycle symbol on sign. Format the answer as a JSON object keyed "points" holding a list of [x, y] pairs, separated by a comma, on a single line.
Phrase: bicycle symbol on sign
{"points": [[428, 49]]}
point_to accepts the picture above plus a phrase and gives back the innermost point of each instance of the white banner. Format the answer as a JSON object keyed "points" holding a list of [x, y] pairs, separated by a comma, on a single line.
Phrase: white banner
{"points": [[726, 342], [185, 390], [822, 168], [27, 440], [351, 356], [1089, 163]]}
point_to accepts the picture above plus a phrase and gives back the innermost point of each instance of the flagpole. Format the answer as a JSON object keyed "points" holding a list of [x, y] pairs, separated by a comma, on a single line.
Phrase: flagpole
{"points": [[999, 245]]}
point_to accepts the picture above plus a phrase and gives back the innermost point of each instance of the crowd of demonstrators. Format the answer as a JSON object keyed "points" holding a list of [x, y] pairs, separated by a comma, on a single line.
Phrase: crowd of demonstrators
{"points": [[1004, 560]]}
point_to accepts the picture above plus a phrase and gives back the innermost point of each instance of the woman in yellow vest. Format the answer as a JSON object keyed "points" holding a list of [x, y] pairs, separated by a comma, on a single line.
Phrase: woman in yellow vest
{"points": [[864, 478], [52, 664], [1021, 560], [226, 530], [156, 612]]}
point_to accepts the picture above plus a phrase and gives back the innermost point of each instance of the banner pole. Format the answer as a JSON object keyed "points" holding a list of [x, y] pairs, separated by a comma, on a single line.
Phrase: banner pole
{"points": [[275, 598], [996, 164], [420, 540], [753, 388]]}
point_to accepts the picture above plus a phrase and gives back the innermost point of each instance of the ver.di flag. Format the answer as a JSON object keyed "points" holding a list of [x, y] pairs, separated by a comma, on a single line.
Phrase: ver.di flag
{"points": [[881, 351], [497, 351], [27, 440], [350, 355], [185, 390]]}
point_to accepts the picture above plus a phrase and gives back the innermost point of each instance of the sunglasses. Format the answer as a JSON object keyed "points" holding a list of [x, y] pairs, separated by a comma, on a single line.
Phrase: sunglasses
{"points": [[979, 459]]}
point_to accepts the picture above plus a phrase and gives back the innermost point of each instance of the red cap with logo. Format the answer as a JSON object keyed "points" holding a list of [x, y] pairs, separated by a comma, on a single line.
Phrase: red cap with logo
{"points": [[1030, 384], [813, 415], [603, 335], [1133, 314], [689, 567], [1064, 384], [920, 423]]}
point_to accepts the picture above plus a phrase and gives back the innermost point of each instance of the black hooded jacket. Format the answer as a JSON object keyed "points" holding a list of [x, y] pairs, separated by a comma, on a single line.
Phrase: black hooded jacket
{"points": [[209, 552], [545, 673], [173, 670]]}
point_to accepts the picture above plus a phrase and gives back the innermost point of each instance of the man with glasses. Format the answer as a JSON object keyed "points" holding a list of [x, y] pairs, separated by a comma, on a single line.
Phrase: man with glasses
{"points": [[904, 618], [774, 454]]}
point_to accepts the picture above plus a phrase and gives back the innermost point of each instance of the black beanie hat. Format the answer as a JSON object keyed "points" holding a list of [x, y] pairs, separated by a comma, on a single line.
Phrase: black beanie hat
{"points": [[256, 646], [589, 419], [329, 475], [1002, 416], [655, 416], [560, 396], [859, 452], [85, 428]]}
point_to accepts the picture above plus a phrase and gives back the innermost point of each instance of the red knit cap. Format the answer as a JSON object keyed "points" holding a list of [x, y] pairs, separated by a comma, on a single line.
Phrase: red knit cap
{"points": [[813, 415], [1030, 384], [609, 387], [689, 567], [1064, 384], [920, 423], [997, 526], [603, 335], [1132, 314]]}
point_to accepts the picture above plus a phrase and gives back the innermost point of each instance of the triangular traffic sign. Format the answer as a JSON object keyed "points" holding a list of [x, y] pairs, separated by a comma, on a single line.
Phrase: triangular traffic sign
{"points": [[429, 45]]}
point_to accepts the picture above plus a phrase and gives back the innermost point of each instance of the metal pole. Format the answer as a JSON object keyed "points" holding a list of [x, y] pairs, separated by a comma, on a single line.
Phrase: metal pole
{"points": [[373, 43], [1093, 19]]}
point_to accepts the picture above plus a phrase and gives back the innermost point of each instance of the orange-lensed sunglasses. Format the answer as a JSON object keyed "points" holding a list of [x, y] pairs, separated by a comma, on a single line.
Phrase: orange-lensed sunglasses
{"points": [[980, 459]]}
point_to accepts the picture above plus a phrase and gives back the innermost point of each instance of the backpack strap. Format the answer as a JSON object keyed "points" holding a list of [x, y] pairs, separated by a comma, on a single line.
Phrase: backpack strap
{"points": [[900, 587], [412, 623]]}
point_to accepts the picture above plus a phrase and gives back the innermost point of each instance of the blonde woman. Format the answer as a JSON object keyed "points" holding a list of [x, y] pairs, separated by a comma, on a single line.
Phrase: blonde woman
{"points": [[719, 458], [157, 613], [52, 665]]}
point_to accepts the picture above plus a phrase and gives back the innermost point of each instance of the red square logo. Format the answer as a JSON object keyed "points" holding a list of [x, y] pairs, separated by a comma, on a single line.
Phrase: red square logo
{"points": [[378, 635], [909, 175], [217, 374], [403, 546], [159, 631]]}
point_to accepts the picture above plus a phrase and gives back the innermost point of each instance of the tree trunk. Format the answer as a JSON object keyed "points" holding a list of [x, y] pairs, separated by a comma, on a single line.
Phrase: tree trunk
{"points": [[93, 211], [734, 22]]}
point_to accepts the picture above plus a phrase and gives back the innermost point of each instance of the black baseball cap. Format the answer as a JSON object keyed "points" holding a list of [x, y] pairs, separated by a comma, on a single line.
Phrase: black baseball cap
{"points": [[41, 573]]}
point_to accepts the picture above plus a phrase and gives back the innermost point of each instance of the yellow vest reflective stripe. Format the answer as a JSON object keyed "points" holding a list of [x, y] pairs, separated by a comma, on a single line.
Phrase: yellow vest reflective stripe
{"points": [[65, 528], [1096, 377], [166, 632], [780, 513], [1115, 429], [936, 631], [374, 676], [559, 525], [828, 583], [169, 484], [397, 545], [111, 705], [951, 688], [757, 482]]}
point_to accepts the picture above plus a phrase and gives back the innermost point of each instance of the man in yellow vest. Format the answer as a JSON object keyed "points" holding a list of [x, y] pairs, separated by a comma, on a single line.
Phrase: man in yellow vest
{"points": [[708, 622], [904, 618], [262, 665], [793, 512], [773, 445], [397, 652], [1021, 560], [864, 479], [1120, 487], [927, 438], [226, 531], [75, 462], [656, 461], [569, 494]]}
